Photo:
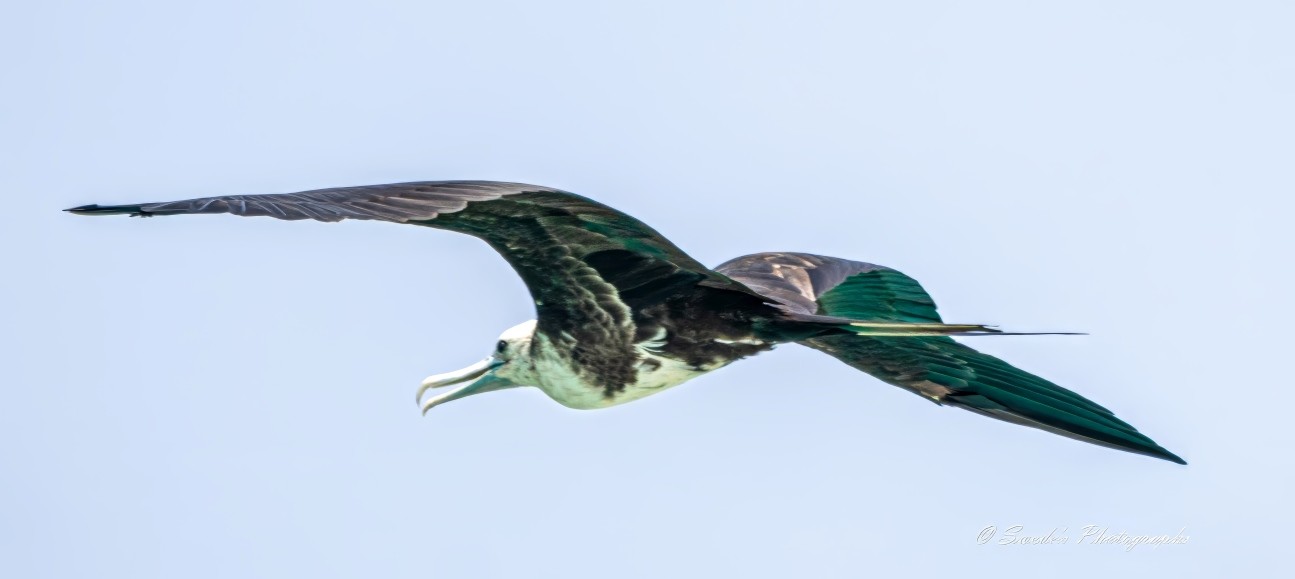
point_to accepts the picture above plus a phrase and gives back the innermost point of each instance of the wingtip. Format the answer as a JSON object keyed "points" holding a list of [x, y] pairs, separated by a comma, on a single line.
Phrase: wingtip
{"points": [[1002, 333], [96, 209], [1171, 457], [1153, 450]]}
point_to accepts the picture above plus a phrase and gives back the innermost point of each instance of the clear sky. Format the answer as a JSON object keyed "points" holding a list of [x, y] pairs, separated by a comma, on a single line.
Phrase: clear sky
{"points": [[222, 397]]}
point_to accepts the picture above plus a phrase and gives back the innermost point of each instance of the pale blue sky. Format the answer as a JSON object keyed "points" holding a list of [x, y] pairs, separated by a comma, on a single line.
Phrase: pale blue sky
{"points": [[222, 397]]}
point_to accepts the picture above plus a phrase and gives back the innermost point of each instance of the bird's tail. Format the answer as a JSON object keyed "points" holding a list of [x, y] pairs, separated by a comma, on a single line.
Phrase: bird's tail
{"points": [[835, 325]]}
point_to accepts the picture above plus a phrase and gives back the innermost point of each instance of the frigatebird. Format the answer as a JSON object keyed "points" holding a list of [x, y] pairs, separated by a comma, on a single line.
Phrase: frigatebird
{"points": [[622, 313]]}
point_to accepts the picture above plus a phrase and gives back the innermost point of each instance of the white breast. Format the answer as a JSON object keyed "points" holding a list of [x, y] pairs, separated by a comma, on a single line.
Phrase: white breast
{"points": [[656, 373]]}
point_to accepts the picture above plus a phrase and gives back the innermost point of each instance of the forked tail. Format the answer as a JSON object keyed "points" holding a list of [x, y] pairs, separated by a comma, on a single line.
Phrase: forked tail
{"points": [[836, 325]]}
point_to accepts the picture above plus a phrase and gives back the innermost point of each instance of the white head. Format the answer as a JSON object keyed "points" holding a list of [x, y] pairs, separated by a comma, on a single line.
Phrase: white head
{"points": [[508, 367]]}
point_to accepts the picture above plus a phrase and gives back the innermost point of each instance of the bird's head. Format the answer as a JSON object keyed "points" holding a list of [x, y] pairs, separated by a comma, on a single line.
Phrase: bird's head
{"points": [[507, 367]]}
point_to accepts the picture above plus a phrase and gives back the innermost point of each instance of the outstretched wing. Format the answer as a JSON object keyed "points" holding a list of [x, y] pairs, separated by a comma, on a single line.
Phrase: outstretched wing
{"points": [[937, 368], [589, 267]]}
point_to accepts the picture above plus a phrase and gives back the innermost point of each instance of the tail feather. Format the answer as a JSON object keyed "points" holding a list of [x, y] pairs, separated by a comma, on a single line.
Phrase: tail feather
{"points": [[838, 325], [900, 329]]}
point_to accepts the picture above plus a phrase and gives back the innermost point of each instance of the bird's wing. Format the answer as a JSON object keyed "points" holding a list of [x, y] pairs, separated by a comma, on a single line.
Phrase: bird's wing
{"points": [[937, 368], [799, 280], [588, 266]]}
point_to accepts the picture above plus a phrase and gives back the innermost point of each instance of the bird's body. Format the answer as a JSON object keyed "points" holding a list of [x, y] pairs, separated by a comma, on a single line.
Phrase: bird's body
{"points": [[653, 373], [622, 313], [655, 370], [670, 344], [548, 368]]}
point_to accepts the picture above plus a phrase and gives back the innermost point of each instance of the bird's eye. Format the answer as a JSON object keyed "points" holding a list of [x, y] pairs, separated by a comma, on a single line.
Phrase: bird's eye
{"points": [[501, 346]]}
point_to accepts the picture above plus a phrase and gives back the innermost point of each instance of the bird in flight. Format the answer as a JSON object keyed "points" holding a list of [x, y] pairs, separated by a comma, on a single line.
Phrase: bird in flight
{"points": [[621, 313]]}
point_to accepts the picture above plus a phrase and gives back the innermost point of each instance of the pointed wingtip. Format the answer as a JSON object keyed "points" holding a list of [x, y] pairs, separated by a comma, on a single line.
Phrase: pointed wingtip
{"points": [[95, 209], [1169, 456]]}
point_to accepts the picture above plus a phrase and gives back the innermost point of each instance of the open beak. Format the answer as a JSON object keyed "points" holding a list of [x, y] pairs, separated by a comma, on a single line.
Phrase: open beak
{"points": [[482, 379]]}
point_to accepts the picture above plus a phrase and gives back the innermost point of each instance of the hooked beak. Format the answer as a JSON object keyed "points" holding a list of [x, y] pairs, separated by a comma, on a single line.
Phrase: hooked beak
{"points": [[481, 374]]}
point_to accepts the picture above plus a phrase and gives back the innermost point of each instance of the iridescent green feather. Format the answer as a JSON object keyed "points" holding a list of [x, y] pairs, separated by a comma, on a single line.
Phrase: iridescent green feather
{"points": [[957, 374]]}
